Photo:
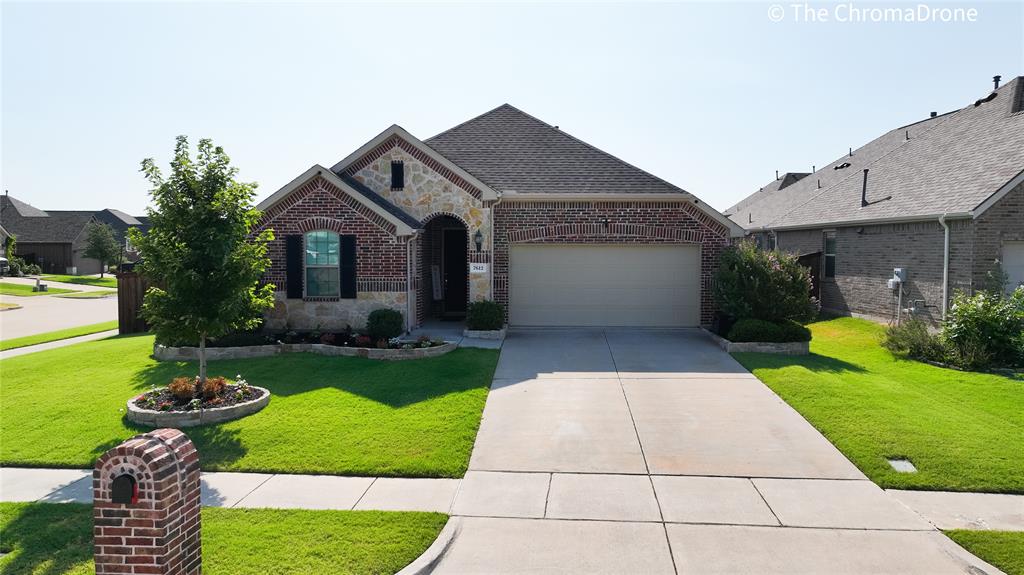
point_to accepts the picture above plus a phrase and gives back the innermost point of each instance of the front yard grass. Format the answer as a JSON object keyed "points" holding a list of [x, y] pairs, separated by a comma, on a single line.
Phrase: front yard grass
{"points": [[106, 281], [329, 415], [45, 538], [57, 335], [963, 431], [25, 290], [1003, 549], [91, 294]]}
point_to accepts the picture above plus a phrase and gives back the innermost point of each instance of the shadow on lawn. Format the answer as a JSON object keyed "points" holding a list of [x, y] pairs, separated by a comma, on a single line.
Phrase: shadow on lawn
{"points": [[217, 446], [392, 383], [47, 539], [813, 362]]}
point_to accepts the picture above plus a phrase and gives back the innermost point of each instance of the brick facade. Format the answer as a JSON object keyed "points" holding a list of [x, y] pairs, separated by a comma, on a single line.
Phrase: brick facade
{"points": [[637, 222], [161, 532], [866, 256]]}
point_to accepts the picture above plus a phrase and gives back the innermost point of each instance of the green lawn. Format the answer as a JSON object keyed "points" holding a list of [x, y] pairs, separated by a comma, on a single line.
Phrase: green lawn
{"points": [[7, 288], [48, 538], [108, 281], [57, 335], [1003, 549], [330, 415], [91, 294], [963, 431]]}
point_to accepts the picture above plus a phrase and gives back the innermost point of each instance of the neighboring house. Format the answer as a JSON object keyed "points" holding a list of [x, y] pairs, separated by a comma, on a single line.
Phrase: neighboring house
{"points": [[501, 207], [895, 202], [56, 239]]}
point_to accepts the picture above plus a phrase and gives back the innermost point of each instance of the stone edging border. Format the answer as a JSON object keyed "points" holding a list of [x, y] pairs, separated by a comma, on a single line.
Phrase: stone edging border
{"points": [[788, 348], [426, 562], [165, 353], [179, 419]]}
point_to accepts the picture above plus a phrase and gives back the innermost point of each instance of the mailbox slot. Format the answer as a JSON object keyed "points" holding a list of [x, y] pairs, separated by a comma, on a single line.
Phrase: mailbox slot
{"points": [[124, 489]]}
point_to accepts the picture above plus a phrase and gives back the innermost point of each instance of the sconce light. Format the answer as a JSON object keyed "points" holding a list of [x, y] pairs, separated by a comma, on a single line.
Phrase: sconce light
{"points": [[604, 222], [478, 239]]}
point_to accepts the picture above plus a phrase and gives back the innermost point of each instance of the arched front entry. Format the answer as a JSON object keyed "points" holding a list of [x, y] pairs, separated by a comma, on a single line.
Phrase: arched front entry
{"points": [[444, 269]]}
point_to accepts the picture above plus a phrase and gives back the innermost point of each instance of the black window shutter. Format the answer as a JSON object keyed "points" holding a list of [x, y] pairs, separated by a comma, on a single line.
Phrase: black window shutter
{"points": [[293, 266], [347, 269], [397, 175]]}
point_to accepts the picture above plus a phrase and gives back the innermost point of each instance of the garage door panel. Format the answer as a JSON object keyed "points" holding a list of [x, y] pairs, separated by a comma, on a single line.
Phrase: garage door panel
{"points": [[598, 285]]}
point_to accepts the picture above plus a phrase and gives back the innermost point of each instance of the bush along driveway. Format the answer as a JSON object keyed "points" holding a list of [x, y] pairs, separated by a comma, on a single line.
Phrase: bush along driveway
{"points": [[963, 431], [327, 415]]}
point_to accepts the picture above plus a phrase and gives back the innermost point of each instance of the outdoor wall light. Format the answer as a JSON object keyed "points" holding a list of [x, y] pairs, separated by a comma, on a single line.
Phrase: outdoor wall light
{"points": [[604, 223], [478, 239]]}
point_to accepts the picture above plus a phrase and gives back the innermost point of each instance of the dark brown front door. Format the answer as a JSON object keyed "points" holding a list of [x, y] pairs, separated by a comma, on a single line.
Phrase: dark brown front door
{"points": [[455, 269]]}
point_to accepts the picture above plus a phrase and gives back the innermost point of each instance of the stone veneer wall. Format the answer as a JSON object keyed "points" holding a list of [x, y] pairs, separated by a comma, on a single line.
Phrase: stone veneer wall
{"points": [[641, 222], [429, 193], [381, 258]]}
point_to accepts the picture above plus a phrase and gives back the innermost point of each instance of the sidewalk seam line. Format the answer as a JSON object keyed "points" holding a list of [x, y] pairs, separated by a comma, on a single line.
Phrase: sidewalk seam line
{"points": [[768, 505], [363, 494], [244, 497]]}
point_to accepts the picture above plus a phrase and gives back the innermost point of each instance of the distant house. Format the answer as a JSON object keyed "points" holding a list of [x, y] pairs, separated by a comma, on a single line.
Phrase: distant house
{"points": [[941, 199], [56, 239]]}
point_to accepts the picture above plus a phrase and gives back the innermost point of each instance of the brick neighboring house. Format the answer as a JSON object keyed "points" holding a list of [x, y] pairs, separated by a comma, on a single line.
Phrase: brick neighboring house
{"points": [[501, 207], [891, 203], [56, 239]]}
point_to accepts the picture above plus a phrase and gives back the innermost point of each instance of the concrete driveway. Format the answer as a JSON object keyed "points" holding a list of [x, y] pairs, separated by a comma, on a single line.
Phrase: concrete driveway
{"points": [[653, 451]]}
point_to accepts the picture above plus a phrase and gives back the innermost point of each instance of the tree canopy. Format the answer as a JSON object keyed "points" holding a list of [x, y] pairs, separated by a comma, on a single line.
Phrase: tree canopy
{"points": [[100, 244]]}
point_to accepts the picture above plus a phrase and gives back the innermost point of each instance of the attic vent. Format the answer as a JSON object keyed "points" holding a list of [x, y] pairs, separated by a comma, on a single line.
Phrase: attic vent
{"points": [[842, 166], [397, 175]]}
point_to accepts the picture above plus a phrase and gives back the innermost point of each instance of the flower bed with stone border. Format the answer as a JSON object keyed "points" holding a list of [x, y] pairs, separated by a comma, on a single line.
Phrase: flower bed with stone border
{"points": [[196, 417], [166, 353], [787, 348]]}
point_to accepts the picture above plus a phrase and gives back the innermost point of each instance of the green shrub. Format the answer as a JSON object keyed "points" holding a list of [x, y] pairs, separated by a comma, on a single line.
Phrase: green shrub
{"points": [[911, 339], [985, 329], [766, 285], [766, 331], [384, 324], [485, 315]]}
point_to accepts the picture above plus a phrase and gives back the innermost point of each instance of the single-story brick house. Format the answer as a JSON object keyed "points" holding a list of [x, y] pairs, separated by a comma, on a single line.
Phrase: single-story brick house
{"points": [[501, 207], [942, 198]]}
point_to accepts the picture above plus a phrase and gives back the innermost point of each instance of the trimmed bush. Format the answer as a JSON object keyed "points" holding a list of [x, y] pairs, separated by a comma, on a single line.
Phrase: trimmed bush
{"points": [[985, 329], [384, 324], [911, 339], [766, 285], [757, 330], [485, 315]]}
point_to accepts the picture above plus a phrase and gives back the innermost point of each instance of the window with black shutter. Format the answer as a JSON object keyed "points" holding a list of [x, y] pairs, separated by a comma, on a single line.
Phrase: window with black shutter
{"points": [[397, 175], [293, 266], [347, 269]]}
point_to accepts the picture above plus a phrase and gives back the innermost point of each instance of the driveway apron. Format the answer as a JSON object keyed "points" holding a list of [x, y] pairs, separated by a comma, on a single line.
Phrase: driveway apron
{"points": [[653, 451]]}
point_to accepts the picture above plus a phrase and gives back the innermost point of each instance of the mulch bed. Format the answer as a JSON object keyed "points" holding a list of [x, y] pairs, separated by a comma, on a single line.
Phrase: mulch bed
{"points": [[163, 400]]}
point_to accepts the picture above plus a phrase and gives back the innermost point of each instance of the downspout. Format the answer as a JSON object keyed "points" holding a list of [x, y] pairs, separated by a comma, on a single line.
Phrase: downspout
{"points": [[410, 308], [945, 266], [490, 267]]}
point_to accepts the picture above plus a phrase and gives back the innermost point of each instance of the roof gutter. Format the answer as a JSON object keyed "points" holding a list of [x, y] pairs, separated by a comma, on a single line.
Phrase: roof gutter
{"points": [[871, 222]]}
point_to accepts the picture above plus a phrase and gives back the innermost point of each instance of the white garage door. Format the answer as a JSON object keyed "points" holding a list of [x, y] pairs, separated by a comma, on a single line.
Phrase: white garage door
{"points": [[604, 285], [1013, 263]]}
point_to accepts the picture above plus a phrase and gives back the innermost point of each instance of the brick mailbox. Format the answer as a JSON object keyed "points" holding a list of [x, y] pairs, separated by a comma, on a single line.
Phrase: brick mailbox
{"points": [[146, 506]]}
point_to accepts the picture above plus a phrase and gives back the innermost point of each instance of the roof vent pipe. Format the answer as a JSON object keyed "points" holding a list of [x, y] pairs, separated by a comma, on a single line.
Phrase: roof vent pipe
{"points": [[907, 133], [864, 190], [819, 183], [851, 152], [995, 82], [776, 174], [934, 114]]}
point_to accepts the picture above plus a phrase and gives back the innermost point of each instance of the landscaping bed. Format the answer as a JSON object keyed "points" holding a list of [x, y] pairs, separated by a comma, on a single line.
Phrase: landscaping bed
{"points": [[785, 348], [328, 415], [57, 538], [961, 430], [163, 408], [395, 351]]}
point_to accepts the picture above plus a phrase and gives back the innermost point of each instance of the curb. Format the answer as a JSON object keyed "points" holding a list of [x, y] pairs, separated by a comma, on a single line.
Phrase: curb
{"points": [[426, 562]]}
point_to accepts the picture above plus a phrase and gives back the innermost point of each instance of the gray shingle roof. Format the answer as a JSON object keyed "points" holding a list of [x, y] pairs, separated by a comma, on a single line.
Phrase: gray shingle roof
{"points": [[950, 164], [54, 227], [512, 151]]}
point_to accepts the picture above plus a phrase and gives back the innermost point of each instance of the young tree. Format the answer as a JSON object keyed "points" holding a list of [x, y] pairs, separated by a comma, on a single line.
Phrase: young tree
{"points": [[199, 253], [100, 244]]}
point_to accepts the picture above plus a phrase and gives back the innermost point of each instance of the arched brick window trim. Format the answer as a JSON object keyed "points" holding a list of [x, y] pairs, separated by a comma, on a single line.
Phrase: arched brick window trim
{"points": [[685, 235], [320, 223]]}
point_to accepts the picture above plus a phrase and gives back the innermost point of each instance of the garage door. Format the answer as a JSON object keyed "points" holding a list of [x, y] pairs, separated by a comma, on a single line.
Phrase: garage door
{"points": [[1013, 263], [604, 285]]}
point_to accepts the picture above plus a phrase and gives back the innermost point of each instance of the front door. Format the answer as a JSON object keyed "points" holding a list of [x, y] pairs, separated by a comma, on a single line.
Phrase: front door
{"points": [[454, 267]]}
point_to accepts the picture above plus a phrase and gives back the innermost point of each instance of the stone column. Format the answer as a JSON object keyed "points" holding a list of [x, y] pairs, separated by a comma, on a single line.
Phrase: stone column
{"points": [[146, 506]]}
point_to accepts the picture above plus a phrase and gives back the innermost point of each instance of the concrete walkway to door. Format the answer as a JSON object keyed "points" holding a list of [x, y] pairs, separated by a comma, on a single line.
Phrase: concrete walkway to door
{"points": [[653, 451]]}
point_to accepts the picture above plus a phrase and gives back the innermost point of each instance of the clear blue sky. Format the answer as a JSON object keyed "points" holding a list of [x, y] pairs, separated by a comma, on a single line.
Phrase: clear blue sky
{"points": [[713, 97]]}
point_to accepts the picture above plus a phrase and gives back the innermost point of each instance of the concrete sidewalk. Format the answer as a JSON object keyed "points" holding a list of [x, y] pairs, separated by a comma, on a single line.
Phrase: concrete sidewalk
{"points": [[225, 489], [55, 344]]}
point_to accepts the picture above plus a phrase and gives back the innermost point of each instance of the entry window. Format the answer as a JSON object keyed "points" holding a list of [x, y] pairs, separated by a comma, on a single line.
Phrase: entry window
{"points": [[830, 254], [397, 175], [322, 264]]}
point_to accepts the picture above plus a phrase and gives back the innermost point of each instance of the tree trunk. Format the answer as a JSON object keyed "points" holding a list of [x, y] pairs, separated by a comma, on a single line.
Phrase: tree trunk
{"points": [[202, 365]]}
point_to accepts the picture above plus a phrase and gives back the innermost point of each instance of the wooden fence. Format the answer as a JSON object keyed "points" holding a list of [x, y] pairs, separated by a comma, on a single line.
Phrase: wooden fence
{"points": [[131, 287]]}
